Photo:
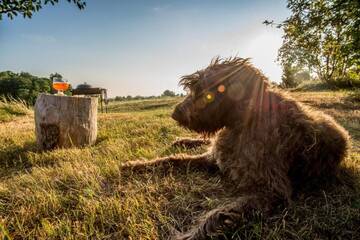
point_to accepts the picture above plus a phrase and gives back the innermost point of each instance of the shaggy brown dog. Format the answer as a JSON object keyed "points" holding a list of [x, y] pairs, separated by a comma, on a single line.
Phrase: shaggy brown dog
{"points": [[266, 142]]}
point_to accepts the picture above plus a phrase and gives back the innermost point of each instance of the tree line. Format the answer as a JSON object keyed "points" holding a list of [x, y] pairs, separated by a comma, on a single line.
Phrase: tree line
{"points": [[27, 87], [166, 93], [23, 86]]}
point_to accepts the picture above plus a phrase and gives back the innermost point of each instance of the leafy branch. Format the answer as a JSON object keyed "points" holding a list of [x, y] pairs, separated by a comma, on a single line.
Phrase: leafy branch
{"points": [[26, 8]]}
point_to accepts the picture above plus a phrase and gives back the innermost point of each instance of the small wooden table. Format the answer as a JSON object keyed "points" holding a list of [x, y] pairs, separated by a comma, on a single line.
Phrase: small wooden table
{"points": [[102, 92]]}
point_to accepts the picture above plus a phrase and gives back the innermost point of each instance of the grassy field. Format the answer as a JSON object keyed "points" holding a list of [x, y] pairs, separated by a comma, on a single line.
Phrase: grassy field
{"points": [[81, 194]]}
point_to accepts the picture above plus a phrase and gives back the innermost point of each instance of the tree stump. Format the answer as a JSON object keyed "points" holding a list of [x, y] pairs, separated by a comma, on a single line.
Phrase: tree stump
{"points": [[63, 121]]}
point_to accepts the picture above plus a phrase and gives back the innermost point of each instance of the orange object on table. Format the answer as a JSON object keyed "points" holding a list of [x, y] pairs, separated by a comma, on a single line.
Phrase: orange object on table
{"points": [[60, 86]]}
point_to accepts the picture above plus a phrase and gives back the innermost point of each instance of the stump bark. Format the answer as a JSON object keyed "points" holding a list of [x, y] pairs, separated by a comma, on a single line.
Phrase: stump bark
{"points": [[63, 121]]}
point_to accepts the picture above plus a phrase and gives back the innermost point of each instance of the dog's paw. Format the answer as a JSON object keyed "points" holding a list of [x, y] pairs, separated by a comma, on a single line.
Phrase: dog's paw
{"points": [[219, 222], [226, 220], [215, 225], [185, 236]]}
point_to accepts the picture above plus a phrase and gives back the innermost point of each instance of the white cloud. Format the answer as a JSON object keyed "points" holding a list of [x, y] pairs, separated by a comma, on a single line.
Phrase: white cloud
{"points": [[160, 8], [39, 38]]}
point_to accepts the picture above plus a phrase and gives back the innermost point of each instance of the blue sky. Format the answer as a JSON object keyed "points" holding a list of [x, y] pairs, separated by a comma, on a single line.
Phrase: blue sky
{"points": [[141, 47]]}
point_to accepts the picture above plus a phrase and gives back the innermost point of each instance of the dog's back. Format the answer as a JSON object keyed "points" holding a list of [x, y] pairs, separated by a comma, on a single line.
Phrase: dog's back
{"points": [[322, 145], [289, 138]]}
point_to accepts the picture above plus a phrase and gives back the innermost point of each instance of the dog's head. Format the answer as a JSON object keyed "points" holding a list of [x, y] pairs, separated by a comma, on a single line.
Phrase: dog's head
{"points": [[216, 93]]}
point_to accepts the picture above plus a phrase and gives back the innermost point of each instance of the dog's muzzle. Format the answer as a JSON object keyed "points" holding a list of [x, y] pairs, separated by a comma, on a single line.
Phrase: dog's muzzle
{"points": [[179, 114]]}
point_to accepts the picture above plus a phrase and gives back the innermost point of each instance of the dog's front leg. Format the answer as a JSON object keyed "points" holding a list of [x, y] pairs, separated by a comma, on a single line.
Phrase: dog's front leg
{"points": [[202, 162], [190, 142]]}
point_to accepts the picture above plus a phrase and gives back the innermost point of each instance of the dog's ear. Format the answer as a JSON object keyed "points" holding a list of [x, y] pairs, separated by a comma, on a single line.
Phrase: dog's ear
{"points": [[237, 85], [245, 84]]}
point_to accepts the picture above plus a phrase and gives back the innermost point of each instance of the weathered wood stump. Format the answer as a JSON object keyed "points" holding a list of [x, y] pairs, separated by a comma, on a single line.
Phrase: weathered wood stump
{"points": [[63, 121]]}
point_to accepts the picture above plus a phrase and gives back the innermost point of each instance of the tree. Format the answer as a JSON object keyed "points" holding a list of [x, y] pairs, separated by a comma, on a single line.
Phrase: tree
{"points": [[293, 76], [168, 93], [26, 8], [288, 79], [55, 75], [119, 98], [23, 86], [302, 76], [323, 36]]}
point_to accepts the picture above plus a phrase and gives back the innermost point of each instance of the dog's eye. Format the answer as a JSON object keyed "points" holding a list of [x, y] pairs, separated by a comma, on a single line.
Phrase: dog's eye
{"points": [[209, 97]]}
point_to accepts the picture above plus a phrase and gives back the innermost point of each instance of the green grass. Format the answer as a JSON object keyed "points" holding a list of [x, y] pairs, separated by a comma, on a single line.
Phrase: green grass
{"points": [[313, 86], [143, 105], [81, 193]]}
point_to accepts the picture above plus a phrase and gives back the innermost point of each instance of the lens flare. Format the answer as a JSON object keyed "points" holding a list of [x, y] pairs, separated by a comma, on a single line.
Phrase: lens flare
{"points": [[209, 97], [221, 88]]}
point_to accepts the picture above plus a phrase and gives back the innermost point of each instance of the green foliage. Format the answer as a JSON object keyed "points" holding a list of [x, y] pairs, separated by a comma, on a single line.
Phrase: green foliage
{"points": [[302, 76], [293, 76], [313, 86], [288, 77], [324, 36], [22, 86], [168, 93], [55, 75], [26, 8]]}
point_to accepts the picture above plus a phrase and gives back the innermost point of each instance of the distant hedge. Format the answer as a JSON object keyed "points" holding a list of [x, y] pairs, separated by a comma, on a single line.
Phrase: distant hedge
{"points": [[23, 86]]}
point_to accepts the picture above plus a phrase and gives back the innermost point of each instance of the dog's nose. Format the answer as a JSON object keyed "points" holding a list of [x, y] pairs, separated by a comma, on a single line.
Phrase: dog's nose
{"points": [[177, 114]]}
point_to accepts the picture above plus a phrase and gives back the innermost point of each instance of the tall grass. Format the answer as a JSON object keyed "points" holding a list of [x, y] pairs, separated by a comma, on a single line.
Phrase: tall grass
{"points": [[10, 108]]}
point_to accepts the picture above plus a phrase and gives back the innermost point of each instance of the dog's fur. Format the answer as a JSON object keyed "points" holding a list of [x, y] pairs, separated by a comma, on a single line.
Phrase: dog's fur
{"points": [[268, 144]]}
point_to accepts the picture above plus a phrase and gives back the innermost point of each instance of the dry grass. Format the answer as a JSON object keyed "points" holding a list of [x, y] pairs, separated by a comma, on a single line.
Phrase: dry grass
{"points": [[81, 194]]}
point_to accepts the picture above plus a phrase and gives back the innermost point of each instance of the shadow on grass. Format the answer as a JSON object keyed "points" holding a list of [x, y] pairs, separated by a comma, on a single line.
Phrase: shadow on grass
{"points": [[101, 139], [354, 97], [347, 105], [321, 208], [174, 150], [15, 158], [189, 146]]}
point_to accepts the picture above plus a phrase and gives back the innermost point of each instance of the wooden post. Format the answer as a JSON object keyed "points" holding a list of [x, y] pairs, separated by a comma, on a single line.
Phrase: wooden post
{"points": [[62, 121], [101, 103], [106, 100]]}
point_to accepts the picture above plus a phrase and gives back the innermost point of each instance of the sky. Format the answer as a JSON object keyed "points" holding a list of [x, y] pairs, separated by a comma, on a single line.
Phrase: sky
{"points": [[141, 47]]}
